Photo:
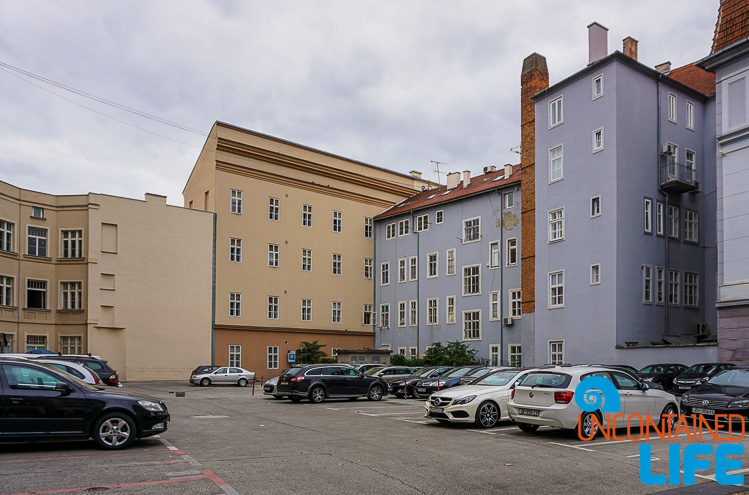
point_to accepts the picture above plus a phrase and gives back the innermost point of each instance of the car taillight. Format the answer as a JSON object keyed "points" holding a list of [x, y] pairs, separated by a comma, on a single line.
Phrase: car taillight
{"points": [[113, 379], [563, 397], [297, 379], [512, 394], [96, 380]]}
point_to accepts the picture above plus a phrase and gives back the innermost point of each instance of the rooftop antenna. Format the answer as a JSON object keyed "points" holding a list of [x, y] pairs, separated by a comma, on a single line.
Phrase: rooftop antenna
{"points": [[515, 149], [439, 181]]}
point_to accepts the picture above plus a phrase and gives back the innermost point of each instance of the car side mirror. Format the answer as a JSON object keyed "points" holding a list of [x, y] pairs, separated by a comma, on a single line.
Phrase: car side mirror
{"points": [[361, 375], [63, 388], [645, 387]]}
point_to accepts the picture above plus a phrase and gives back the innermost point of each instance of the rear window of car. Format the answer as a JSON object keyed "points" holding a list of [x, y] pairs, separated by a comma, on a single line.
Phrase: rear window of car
{"points": [[293, 371], [457, 373], [736, 378], [547, 380], [654, 368], [702, 368]]}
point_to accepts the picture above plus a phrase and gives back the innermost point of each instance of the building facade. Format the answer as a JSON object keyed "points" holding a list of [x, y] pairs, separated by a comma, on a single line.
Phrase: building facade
{"points": [[124, 279], [294, 244], [448, 268]]}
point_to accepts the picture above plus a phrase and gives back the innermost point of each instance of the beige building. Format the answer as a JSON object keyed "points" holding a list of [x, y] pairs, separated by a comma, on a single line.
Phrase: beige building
{"points": [[294, 244], [125, 279]]}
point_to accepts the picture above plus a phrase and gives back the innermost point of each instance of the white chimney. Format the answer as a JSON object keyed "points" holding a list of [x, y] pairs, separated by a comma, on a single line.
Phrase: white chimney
{"points": [[664, 67], [453, 178], [508, 170], [466, 178], [415, 174], [597, 42]]}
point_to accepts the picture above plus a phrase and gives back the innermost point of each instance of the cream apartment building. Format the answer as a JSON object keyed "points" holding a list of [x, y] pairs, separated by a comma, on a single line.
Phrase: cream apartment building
{"points": [[294, 244], [125, 279]]}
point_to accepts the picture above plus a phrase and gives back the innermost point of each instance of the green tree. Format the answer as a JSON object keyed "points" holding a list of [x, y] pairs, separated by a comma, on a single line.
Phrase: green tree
{"points": [[435, 355], [398, 360], [454, 353], [310, 352]]}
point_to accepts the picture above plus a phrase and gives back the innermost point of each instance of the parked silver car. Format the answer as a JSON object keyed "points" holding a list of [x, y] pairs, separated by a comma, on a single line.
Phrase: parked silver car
{"points": [[78, 370], [270, 386], [226, 375]]}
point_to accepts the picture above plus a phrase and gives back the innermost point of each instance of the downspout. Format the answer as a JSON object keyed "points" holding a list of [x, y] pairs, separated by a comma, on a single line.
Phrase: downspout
{"points": [[418, 283], [666, 219], [501, 277], [375, 313], [18, 281], [213, 297]]}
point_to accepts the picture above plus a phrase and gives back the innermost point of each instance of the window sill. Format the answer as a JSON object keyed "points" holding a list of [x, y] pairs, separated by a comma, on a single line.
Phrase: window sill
{"points": [[597, 150], [69, 260], [9, 307], [42, 310], [68, 311], [31, 256], [38, 218]]}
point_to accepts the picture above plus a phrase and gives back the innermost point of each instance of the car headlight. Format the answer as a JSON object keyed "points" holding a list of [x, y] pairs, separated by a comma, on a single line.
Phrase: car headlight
{"points": [[464, 400], [739, 403], [150, 405], [702, 380], [441, 383], [684, 398]]}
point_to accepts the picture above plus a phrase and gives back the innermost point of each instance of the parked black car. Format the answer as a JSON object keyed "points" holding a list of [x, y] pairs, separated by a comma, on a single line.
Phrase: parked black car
{"points": [[425, 388], [320, 381], [404, 387], [662, 374], [106, 374], [697, 374], [40, 402], [725, 393], [203, 368]]}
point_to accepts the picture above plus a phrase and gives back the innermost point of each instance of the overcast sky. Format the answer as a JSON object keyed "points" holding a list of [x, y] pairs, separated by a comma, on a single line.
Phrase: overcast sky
{"points": [[392, 83]]}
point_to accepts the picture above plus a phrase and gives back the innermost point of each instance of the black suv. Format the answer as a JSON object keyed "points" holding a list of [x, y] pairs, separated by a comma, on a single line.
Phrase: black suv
{"points": [[107, 375], [40, 402], [320, 381]]}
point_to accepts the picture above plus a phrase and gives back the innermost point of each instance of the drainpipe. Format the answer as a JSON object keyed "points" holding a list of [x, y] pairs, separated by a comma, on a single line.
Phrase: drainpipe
{"points": [[666, 218], [418, 283], [375, 313], [213, 297], [501, 277], [18, 280]]}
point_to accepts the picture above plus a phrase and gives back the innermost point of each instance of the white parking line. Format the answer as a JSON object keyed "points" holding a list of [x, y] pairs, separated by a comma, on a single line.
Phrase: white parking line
{"points": [[419, 422], [484, 432], [572, 446], [382, 413]]}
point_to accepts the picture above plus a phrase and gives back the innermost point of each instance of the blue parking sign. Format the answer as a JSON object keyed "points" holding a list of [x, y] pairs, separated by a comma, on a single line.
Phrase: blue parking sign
{"points": [[292, 356]]}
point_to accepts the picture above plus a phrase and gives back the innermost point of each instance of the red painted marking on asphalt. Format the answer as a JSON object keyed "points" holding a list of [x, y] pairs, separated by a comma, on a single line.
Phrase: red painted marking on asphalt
{"points": [[169, 462], [178, 452], [86, 455], [214, 477], [143, 483]]}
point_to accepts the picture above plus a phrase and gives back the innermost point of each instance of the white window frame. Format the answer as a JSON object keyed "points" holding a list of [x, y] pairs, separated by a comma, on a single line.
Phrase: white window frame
{"points": [[306, 309], [385, 273], [515, 300], [413, 313], [556, 351], [690, 165], [511, 252], [368, 268], [402, 270], [468, 282], [450, 305], [404, 227], [235, 250], [509, 200], [556, 225], [413, 352], [6, 235], [368, 227], [673, 221], [235, 304], [674, 282], [660, 285], [337, 220], [450, 262], [595, 274], [72, 243], [390, 231], [385, 315], [433, 265], [337, 264], [552, 177], [476, 319], [235, 356], [494, 355], [274, 209], [691, 226], [422, 223], [36, 342], [71, 344], [336, 312], [558, 105], [413, 268], [556, 290], [272, 355], [495, 305], [44, 289], [690, 115], [37, 212], [597, 94], [433, 311], [660, 218], [6, 290], [367, 314], [514, 355], [672, 103], [439, 217], [402, 314], [402, 351], [307, 216], [691, 289], [595, 206], [470, 230], [274, 254], [306, 260], [598, 140], [647, 212], [647, 284], [274, 308], [71, 295], [495, 256], [235, 201], [38, 251]]}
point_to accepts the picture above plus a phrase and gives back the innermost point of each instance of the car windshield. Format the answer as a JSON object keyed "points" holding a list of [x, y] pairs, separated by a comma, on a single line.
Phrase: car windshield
{"points": [[423, 372], [547, 380], [457, 373], [653, 368], [70, 377], [497, 379], [478, 372], [372, 371], [702, 369], [734, 378]]}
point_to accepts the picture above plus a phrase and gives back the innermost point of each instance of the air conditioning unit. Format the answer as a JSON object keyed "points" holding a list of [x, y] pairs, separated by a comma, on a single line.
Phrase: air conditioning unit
{"points": [[508, 321], [701, 329], [668, 149]]}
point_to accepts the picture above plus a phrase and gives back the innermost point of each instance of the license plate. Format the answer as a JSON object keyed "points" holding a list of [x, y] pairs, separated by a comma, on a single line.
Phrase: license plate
{"points": [[421, 390], [436, 409], [699, 410], [285, 380], [684, 387], [529, 412]]}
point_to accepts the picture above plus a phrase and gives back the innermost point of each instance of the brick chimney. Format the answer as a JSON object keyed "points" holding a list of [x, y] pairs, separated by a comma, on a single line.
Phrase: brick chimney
{"points": [[533, 79], [664, 67], [597, 42], [630, 47]]}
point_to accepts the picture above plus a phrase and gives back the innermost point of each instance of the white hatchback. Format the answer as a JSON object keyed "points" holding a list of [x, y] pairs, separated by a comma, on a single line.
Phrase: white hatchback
{"points": [[483, 402], [546, 397]]}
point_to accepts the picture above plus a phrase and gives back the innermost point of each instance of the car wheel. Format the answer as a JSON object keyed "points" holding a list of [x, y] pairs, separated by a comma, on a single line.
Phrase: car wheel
{"points": [[375, 393], [353, 398], [528, 428], [669, 409], [588, 430], [317, 394], [295, 398], [242, 382], [205, 382], [114, 431], [487, 415]]}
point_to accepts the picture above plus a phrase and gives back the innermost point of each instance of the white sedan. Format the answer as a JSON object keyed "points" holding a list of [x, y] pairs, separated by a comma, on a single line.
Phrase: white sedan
{"points": [[226, 375], [483, 403]]}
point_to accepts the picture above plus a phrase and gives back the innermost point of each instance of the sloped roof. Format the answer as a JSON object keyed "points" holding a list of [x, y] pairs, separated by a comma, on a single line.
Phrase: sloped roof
{"points": [[696, 78], [432, 197], [732, 25]]}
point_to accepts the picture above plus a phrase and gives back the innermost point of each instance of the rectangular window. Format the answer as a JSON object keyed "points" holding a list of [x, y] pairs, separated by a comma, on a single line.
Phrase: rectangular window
{"points": [[556, 165], [659, 220], [389, 231], [691, 226], [385, 315], [556, 225], [671, 161], [673, 287], [235, 304], [366, 318], [736, 102], [691, 172], [306, 215], [512, 252], [413, 352], [37, 212], [235, 250], [235, 205], [71, 344], [70, 293], [37, 242], [422, 223], [6, 291], [471, 280], [273, 252], [337, 264], [471, 229], [673, 221], [401, 270], [306, 309], [402, 351], [494, 355], [647, 284], [660, 285], [595, 206], [516, 306], [404, 227], [494, 255], [368, 268], [6, 236], [495, 311], [72, 244], [597, 87], [690, 115], [514, 355], [273, 308], [10, 343], [413, 313], [556, 112], [306, 260], [440, 216], [691, 289], [401, 313], [36, 294], [432, 311], [450, 307], [272, 357], [556, 290], [672, 107], [338, 221], [472, 325], [450, 268], [36, 342], [595, 274], [235, 356], [432, 264], [413, 262], [509, 200], [385, 273], [647, 212], [597, 140], [337, 312], [274, 209], [368, 227], [556, 352]]}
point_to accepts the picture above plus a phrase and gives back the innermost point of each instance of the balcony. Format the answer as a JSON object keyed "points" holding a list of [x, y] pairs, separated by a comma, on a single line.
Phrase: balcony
{"points": [[677, 178]]}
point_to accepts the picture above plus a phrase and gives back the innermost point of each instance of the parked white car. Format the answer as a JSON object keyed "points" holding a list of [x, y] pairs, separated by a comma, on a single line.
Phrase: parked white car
{"points": [[483, 402], [270, 386], [546, 397], [80, 371], [226, 375]]}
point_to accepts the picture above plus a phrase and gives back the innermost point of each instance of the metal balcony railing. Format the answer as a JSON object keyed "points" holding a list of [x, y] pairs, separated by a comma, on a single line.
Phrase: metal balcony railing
{"points": [[676, 177]]}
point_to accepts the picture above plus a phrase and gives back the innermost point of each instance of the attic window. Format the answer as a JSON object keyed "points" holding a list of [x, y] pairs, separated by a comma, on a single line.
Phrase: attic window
{"points": [[499, 177], [485, 180], [446, 192], [433, 195]]}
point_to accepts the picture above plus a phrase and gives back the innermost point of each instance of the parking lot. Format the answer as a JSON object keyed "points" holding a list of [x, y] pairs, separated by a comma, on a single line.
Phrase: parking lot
{"points": [[224, 440]]}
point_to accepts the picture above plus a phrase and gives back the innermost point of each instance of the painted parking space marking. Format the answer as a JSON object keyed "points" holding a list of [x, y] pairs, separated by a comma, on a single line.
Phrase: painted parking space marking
{"points": [[572, 446], [130, 452], [485, 432], [208, 417]]}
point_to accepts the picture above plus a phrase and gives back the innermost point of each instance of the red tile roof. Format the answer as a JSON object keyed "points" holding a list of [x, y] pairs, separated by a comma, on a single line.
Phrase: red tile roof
{"points": [[732, 24], [431, 197], [696, 78]]}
